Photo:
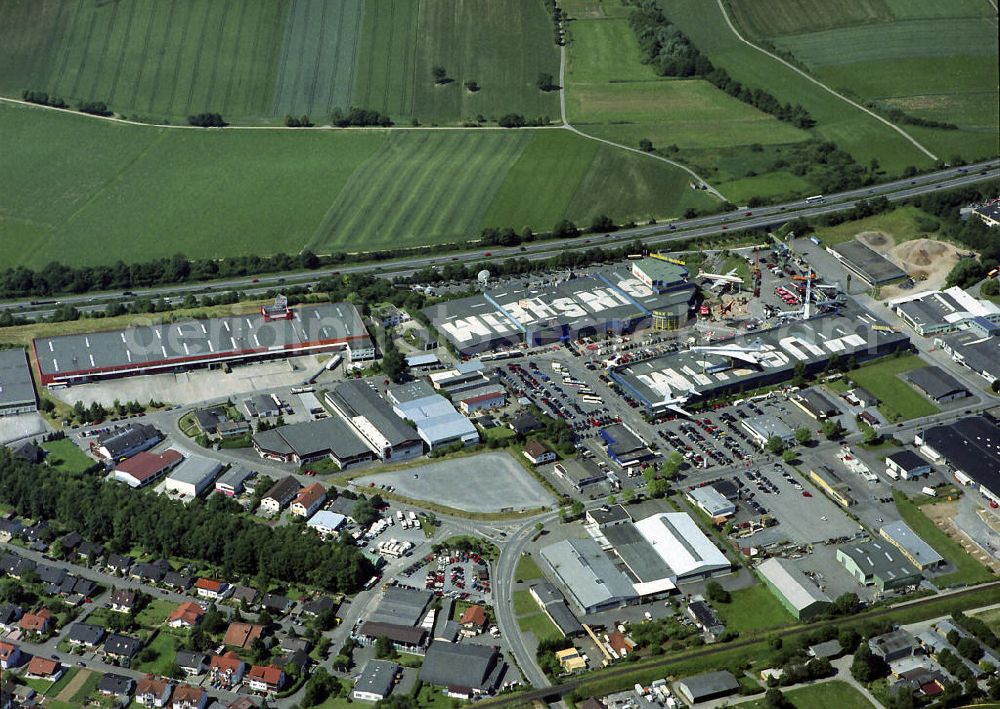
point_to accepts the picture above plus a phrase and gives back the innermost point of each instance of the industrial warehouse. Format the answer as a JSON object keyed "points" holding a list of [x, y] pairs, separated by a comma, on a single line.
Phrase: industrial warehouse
{"points": [[767, 357], [75, 359], [624, 562], [615, 299]]}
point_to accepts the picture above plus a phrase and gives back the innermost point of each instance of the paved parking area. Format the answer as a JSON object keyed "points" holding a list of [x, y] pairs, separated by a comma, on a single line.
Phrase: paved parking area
{"points": [[488, 482], [14, 428]]}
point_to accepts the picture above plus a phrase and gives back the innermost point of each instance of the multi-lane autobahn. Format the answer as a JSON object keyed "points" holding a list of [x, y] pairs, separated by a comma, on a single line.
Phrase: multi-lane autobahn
{"points": [[759, 218]]}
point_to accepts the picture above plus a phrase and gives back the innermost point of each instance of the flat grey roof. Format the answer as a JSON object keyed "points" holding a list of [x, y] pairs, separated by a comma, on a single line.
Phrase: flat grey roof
{"points": [[930, 309], [377, 677], [190, 342], [311, 438], [588, 573], [637, 553], [401, 606], [16, 385], [235, 476], [869, 264], [708, 684], [195, 469], [356, 398], [768, 426], [879, 559], [901, 534], [981, 354], [907, 459], [936, 382]]}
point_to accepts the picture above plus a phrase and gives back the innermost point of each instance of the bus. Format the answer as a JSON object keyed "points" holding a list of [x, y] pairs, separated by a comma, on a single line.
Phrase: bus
{"points": [[815, 199]]}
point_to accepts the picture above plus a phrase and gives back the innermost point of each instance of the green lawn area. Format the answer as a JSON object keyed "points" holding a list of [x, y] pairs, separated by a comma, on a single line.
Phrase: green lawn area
{"points": [[752, 609], [968, 570], [498, 433], [528, 570], [153, 615], [826, 695], [233, 193], [991, 618], [66, 456], [900, 223], [524, 604], [539, 625], [165, 645], [88, 687], [899, 401]]}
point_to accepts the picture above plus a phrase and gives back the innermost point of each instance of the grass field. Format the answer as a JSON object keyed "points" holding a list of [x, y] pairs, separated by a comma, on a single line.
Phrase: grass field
{"points": [[539, 625], [257, 61], [854, 131], [991, 618], [967, 569], [613, 95], [935, 61], [900, 223], [898, 400], [752, 609], [147, 192], [66, 457], [524, 604], [825, 695], [527, 569], [165, 645]]}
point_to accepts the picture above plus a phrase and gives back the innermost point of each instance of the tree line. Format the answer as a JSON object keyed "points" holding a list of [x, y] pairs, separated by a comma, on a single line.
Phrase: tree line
{"points": [[672, 53], [211, 531]]}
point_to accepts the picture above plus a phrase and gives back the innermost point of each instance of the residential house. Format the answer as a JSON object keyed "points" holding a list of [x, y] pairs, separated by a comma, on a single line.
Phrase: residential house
{"points": [[125, 441], [177, 581], [28, 451], [121, 647], [280, 494], [118, 564], [276, 603], [308, 500], [473, 621], [112, 685], [43, 668], [893, 645], [124, 600], [186, 615], [226, 670], [10, 655], [37, 622], [90, 551], [150, 573], [10, 613], [290, 645], [85, 634], [318, 606], [245, 701], [151, 692], [538, 453], [211, 589], [15, 566], [70, 542], [524, 423], [245, 594], [187, 697], [265, 678], [242, 635], [191, 663]]}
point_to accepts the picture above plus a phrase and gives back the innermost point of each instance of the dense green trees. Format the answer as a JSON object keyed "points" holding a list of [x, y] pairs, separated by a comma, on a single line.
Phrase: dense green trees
{"points": [[359, 117], [206, 120], [212, 531]]}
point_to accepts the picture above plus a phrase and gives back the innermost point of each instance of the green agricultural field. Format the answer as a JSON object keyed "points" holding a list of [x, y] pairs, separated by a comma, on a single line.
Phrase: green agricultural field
{"points": [[502, 46], [967, 569], [611, 94], [752, 609], [899, 400], [851, 129], [935, 61], [258, 61], [146, 192], [824, 695], [64, 455]]}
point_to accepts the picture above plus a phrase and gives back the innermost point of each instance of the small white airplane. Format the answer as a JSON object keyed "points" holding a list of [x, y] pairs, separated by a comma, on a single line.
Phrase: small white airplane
{"points": [[720, 280]]}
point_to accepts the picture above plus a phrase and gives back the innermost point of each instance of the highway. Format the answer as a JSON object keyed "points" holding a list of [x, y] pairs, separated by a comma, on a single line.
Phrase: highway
{"points": [[654, 234]]}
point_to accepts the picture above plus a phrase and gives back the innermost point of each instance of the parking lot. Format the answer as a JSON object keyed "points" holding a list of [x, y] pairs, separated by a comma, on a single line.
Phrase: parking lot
{"points": [[460, 575], [486, 482]]}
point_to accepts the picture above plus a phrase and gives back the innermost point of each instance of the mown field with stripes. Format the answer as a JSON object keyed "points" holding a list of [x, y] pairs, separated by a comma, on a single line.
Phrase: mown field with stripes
{"points": [[255, 61], [85, 191]]}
